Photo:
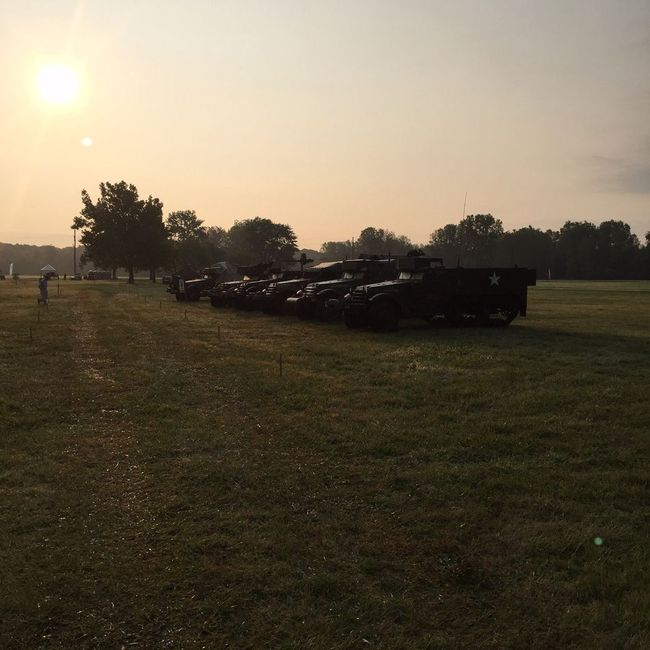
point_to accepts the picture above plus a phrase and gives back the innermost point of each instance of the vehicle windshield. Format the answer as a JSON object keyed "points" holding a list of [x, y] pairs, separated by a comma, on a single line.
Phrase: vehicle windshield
{"points": [[411, 275], [353, 275]]}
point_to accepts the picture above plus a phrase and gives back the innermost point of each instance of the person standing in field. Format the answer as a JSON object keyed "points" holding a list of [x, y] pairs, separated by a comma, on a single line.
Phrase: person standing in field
{"points": [[42, 285]]}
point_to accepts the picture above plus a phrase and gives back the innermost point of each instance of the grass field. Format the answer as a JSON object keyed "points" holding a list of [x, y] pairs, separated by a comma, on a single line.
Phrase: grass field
{"points": [[162, 486]]}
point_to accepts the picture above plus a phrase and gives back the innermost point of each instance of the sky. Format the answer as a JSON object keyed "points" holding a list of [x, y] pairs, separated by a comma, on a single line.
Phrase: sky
{"points": [[330, 116]]}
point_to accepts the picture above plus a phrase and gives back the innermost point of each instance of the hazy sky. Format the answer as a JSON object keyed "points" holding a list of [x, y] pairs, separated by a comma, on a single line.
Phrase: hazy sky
{"points": [[330, 116]]}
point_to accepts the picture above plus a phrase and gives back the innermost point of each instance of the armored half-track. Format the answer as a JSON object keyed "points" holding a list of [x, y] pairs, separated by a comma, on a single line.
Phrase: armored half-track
{"points": [[249, 296], [324, 300], [426, 289], [224, 294], [194, 285], [275, 296]]}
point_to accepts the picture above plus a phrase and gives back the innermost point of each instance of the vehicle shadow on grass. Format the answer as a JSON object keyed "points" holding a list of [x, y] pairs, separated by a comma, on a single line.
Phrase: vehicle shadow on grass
{"points": [[528, 336]]}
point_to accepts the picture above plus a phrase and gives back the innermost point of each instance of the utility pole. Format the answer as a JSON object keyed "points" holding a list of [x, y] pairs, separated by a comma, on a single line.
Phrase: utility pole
{"points": [[74, 251]]}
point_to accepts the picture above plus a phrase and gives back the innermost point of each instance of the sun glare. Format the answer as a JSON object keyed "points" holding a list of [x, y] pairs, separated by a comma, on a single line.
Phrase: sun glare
{"points": [[57, 84]]}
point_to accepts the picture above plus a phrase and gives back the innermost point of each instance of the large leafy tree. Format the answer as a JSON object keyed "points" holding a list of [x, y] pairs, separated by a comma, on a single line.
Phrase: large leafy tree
{"points": [[577, 250], [478, 236], [473, 242], [338, 250], [530, 247], [188, 234], [262, 240], [377, 241], [618, 250], [184, 225], [121, 230], [444, 243], [371, 241], [216, 244]]}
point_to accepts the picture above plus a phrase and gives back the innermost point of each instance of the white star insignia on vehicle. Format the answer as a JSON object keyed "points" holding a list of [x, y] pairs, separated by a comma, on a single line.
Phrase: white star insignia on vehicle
{"points": [[494, 279]]}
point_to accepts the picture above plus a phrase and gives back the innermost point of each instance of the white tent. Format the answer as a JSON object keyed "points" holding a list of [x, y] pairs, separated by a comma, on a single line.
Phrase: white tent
{"points": [[48, 268]]}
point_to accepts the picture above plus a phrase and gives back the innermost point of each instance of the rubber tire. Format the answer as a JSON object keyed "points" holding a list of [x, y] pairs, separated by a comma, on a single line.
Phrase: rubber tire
{"points": [[454, 314], [383, 316], [324, 314], [302, 311], [510, 313]]}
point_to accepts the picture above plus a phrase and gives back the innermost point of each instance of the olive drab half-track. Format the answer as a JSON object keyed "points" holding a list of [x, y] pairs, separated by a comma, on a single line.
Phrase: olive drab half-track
{"points": [[224, 294], [278, 297], [249, 295], [193, 285], [324, 300], [424, 288]]}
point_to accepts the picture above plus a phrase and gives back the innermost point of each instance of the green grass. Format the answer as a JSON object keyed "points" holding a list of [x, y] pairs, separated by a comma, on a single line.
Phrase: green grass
{"points": [[163, 486]]}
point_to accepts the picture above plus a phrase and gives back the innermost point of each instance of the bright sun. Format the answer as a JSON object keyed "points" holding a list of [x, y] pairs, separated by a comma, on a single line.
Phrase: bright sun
{"points": [[57, 84]]}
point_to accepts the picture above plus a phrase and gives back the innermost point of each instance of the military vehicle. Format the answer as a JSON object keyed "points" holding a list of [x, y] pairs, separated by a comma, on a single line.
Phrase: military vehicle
{"points": [[250, 296], [224, 293], [275, 296], [192, 285], [324, 300], [426, 289]]}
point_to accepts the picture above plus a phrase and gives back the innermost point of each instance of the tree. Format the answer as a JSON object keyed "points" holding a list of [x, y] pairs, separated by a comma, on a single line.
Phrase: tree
{"points": [[478, 235], [444, 243], [377, 241], [528, 247], [577, 250], [617, 250], [216, 244], [122, 230], [187, 233], [262, 240], [645, 258], [371, 241], [338, 250], [184, 225], [153, 239]]}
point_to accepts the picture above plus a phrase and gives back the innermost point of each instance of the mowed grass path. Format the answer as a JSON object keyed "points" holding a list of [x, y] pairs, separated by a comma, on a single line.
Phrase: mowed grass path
{"points": [[161, 485]]}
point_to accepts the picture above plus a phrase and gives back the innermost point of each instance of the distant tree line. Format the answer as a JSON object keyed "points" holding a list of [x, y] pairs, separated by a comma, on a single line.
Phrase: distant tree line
{"points": [[29, 260], [579, 250], [119, 230]]}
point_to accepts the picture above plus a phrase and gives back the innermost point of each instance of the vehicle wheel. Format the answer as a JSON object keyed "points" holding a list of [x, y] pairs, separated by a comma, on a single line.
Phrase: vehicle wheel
{"points": [[354, 320], [481, 316], [214, 301], [325, 313], [454, 313], [508, 312], [383, 316], [302, 311]]}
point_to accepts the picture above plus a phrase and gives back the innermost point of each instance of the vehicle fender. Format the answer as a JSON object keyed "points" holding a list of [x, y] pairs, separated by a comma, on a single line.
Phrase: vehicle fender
{"points": [[384, 296], [326, 294]]}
